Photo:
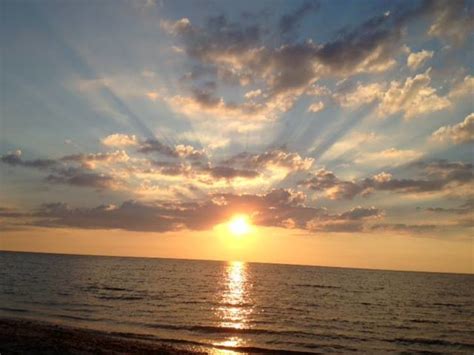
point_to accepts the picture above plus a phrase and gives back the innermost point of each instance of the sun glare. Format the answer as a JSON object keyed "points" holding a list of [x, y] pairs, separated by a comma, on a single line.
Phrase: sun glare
{"points": [[239, 225]]}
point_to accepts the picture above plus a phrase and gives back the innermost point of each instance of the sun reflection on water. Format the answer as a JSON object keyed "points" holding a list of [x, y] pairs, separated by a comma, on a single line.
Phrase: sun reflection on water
{"points": [[235, 303]]}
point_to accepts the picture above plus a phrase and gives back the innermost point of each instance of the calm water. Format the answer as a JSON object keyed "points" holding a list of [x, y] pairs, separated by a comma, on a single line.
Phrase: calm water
{"points": [[264, 306]]}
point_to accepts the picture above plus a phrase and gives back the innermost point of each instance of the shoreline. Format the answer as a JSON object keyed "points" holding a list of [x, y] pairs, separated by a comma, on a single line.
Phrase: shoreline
{"points": [[31, 336], [20, 336]]}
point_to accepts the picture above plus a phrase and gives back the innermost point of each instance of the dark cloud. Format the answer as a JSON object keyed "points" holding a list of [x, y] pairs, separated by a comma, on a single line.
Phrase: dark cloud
{"points": [[219, 36], [353, 220], [178, 151], [14, 159], [77, 177], [243, 165], [438, 175], [465, 208], [170, 168], [225, 172], [154, 145], [7, 212], [282, 208], [404, 228], [444, 169], [163, 216], [453, 22], [358, 213], [290, 22], [204, 172], [335, 188], [131, 215], [276, 158], [62, 174]]}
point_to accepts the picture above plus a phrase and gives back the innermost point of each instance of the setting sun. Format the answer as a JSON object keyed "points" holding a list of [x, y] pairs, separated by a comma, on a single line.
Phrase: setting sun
{"points": [[239, 225]]}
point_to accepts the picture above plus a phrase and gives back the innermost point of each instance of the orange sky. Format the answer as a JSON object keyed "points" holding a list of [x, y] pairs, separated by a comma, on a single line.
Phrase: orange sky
{"points": [[275, 245]]}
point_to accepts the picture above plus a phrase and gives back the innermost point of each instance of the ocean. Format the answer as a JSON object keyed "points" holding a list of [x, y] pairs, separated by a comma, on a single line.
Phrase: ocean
{"points": [[243, 306]]}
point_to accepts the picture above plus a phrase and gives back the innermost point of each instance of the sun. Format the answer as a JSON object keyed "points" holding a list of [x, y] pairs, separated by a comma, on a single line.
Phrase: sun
{"points": [[239, 225]]}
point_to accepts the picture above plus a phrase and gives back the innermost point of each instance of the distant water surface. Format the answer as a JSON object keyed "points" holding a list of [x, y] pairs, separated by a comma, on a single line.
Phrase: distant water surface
{"points": [[241, 305]]}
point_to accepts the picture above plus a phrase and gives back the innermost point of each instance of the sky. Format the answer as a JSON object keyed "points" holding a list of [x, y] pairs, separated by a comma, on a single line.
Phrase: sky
{"points": [[342, 131]]}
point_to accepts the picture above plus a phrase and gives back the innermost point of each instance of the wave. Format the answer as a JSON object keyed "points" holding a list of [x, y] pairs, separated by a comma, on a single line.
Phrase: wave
{"points": [[106, 288], [224, 330], [115, 288], [88, 319], [317, 286], [426, 341], [424, 321], [255, 331], [120, 298], [207, 346], [448, 305], [18, 310]]}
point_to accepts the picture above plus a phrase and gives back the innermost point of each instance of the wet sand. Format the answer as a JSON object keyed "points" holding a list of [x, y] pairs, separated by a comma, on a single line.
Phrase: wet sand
{"points": [[19, 336]]}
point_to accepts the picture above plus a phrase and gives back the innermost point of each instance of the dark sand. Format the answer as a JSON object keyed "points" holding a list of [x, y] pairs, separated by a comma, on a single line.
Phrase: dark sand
{"points": [[18, 336]]}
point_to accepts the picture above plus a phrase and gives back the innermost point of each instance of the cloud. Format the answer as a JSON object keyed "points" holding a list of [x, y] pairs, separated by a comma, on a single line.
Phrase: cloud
{"points": [[404, 228], [333, 188], [290, 22], [62, 174], [7, 212], [276, 158], [209, 140], [279, 208], [439, 175], [14, 159], [413, 98], [453, 22], [362, 95], [178, 151], [253, 94], [120, 140], [353, 220], [77, 177], [462, 132], [335, 226], [220, 40], [359, 212], [203, 173], [225, 172], [465, 88], [416, 60], [465, 208], [90, 161], [316, 107], [166, 216], [280, 74]]}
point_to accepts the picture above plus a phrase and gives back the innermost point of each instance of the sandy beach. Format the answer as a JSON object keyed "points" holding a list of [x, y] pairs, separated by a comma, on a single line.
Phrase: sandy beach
{"points": [[18, 336]]}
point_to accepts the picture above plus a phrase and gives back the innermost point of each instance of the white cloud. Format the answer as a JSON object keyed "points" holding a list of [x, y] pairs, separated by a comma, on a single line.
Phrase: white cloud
{"points": [[413, 98], [119, 140], [253, 94], [416, 60], [463, 88], [316, 107], [362, 95], [462, 132]]}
